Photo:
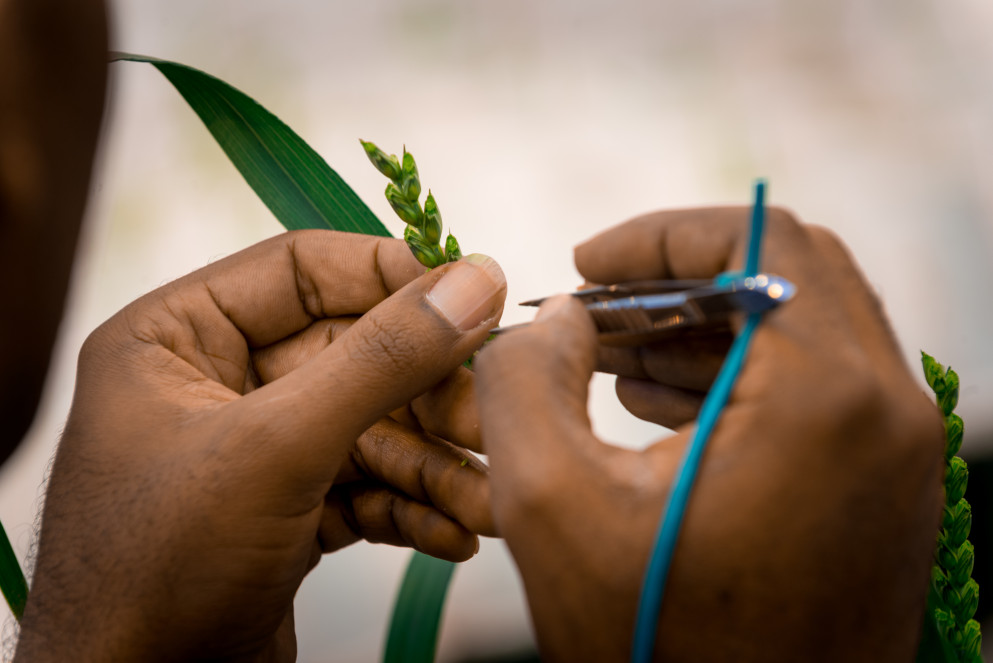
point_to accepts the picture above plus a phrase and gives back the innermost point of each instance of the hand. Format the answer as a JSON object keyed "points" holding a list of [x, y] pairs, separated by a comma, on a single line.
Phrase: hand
{"points": [[227, 429], [811, 529]]}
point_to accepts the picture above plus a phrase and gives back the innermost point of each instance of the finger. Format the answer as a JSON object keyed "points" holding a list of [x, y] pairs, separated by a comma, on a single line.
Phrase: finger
{"points": [[687, 244], [429, 470], [532, 390], [865, 311], [701, 243], [658, 403], [307, 421], [213, 317], [688, 362], [280, 286], [447, 410], [623, 361], [380, 515], [276, 360]]}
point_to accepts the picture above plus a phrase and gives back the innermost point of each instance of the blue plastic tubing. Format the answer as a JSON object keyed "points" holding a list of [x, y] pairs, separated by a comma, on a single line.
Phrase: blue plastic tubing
{"points": [[653, 585]]}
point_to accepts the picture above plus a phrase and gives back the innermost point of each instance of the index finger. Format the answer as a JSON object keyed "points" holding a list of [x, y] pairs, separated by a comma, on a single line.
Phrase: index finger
{"points": [[702, 243], [280, 286], [686, 244], [833, 304]]}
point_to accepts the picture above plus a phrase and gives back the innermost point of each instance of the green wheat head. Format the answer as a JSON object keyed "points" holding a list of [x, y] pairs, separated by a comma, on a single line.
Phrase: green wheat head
{"points": [[423, 232], [955, 594]]}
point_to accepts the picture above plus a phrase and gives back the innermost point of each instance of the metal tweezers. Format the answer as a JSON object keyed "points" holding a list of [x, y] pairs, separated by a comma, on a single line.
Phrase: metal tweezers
{"points": [[640, 312]]}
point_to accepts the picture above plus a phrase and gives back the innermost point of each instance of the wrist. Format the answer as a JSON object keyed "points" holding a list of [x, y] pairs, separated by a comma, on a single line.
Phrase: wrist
{"points": [[68, 631]]}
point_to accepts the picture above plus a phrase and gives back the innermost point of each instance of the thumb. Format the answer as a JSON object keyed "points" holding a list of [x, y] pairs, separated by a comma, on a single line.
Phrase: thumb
{"points": [[309, 419], [532, 387]]}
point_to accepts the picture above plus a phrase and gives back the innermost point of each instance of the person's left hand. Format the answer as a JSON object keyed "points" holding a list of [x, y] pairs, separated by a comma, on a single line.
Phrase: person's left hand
{"points": [[820, 494], [230, 427]]}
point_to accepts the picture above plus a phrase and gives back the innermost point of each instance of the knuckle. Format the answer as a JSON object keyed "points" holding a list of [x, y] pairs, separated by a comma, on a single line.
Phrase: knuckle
{"points": [[645, 224], [923, 422], [860, 398], [392, 349], [837, 398], [93, 347], [827, 238], [799, 244], [782, 217], [112, 342], [861, 407], [373, 513], [782, 222], [897, 433], [308, 247], [834, 251]]}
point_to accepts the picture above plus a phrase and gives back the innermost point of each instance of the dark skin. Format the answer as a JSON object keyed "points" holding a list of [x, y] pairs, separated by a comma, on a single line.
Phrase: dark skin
{"points": [[226, 432], [811, 529], [395, 481], [230, 412], [230, 428], [53, 70]]}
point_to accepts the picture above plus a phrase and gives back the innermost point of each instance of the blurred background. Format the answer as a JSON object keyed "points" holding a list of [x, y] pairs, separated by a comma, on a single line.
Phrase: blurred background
{"points": [[538, 123]]}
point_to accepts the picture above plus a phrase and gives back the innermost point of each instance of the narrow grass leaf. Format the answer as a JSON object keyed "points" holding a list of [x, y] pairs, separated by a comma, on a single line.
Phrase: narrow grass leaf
{"points": [[413, 636], [287, 174], [12, 582], [304, 192]]}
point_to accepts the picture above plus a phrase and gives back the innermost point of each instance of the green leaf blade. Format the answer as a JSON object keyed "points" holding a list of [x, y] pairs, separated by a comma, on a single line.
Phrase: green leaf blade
{"points": [[294, 182], [413, 636], [12, 581], [302, 191]]}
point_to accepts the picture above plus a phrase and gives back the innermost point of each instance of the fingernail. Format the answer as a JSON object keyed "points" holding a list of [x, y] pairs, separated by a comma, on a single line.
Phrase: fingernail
{"points": [[468, 292]]}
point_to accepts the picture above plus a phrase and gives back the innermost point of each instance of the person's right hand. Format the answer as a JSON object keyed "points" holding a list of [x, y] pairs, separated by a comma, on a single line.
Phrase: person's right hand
{"points": [[225, 433], [811, 529]]}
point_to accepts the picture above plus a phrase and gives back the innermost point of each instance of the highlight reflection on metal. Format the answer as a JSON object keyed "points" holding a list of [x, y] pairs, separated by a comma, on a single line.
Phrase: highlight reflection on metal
{"points": [[640, 312]]}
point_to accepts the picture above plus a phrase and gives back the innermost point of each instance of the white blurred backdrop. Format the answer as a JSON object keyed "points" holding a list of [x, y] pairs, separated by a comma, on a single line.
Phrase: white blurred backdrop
{"points": [[537, 123]]}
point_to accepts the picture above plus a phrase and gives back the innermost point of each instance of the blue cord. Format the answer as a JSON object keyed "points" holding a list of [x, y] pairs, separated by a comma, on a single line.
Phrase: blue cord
{"points": [[756, 230], [653, 586]]}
